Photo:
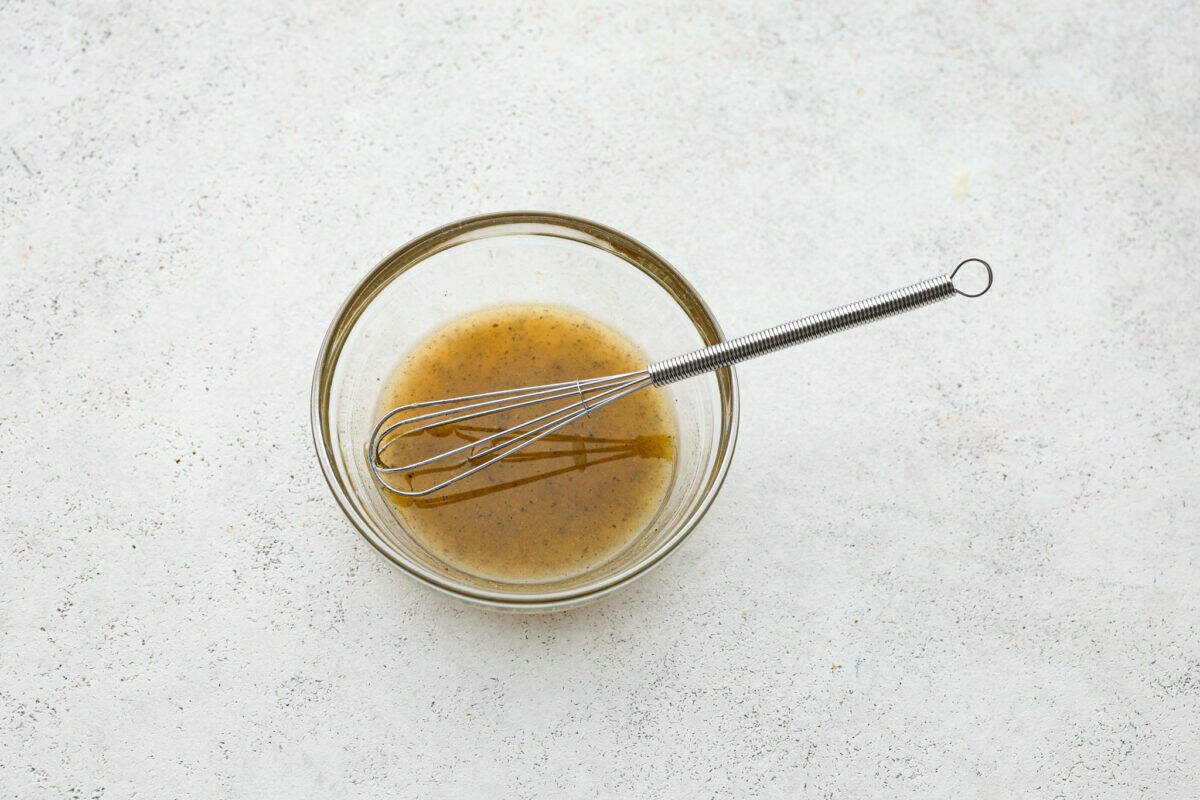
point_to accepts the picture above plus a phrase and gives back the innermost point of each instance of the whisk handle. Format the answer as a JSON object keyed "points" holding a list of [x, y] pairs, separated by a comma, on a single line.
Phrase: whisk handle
{"points": [[724, 354]]}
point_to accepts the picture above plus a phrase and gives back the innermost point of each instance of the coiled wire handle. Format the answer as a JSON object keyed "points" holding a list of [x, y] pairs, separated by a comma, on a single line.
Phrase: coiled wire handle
{"points": [[724, 354]]}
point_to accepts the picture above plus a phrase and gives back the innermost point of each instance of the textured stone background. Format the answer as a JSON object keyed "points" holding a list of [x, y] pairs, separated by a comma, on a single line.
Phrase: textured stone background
{"points": [[957, 554]]}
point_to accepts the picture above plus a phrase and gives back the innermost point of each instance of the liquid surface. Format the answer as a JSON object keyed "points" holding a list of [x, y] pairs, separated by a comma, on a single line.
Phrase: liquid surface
{"points": [[565, 503]]}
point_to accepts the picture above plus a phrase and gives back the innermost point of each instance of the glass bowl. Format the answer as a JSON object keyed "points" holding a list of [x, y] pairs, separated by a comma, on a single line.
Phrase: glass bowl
{"points": [[504, 258]]}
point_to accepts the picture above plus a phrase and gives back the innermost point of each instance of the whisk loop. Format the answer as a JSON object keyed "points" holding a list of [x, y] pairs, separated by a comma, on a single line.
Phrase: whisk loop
{"points": [[594, 394]]}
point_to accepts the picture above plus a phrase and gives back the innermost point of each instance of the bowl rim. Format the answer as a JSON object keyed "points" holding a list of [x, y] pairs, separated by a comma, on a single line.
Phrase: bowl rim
{"points": [[434, 241]]}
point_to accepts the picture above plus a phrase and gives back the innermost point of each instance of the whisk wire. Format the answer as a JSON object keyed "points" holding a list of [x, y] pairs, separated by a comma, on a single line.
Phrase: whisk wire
{"points": [[507, 441], [535, 394]]}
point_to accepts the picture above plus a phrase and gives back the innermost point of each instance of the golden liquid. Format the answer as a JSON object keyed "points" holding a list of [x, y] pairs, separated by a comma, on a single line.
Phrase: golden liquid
{"points": [[563, 504]]}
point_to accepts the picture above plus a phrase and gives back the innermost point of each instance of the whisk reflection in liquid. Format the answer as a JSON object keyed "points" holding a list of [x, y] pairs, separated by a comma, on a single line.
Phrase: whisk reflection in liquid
{"points": [[555, 454]]}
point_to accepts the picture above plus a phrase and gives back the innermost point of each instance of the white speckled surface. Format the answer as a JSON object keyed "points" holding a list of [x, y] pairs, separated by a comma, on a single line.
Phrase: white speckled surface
{"points": [[957, 554]]}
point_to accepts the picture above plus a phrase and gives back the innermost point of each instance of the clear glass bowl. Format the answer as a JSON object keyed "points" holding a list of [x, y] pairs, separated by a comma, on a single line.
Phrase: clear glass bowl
{"points": [[513, 258]]}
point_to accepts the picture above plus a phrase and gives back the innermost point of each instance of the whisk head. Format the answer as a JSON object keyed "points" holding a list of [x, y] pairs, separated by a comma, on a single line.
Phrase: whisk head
{"points": [[571, 400]]}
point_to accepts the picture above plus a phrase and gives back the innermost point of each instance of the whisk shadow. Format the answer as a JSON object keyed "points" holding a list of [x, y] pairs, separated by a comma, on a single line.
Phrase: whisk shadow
{"points": [[581, 452]]}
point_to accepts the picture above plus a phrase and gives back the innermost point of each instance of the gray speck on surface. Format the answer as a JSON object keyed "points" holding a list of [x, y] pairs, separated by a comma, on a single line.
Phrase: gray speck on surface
{"points": [[21, 161]]}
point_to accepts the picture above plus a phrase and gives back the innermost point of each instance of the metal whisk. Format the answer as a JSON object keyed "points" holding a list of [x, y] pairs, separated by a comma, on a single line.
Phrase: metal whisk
{"points": [[592, 394]]}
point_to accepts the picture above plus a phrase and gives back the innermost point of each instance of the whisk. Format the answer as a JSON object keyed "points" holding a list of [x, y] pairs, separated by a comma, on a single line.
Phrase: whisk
{"points": [[583, 396]]}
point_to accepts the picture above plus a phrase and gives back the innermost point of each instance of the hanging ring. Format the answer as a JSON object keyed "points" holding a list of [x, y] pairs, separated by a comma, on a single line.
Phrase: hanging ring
{"points": [[982, 291]]}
